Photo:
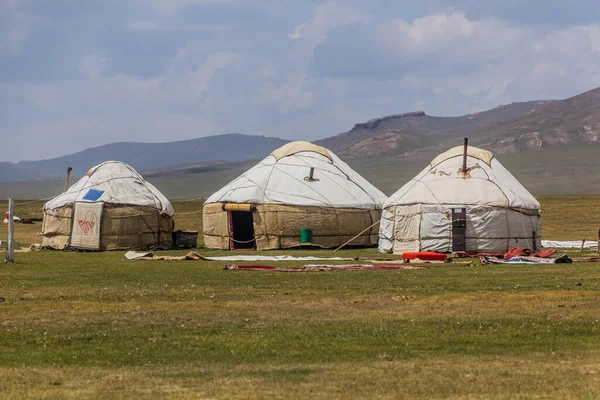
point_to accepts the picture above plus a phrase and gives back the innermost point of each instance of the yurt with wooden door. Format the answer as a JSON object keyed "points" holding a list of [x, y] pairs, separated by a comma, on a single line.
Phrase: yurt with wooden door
{"points": [[301, 194], [464, 200], [111, 208]]}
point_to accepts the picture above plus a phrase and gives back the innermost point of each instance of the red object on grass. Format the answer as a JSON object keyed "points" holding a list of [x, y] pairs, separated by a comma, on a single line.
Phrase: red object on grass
{"points": [[265, 267], [546, 253], [525, 251], [424, 255]]}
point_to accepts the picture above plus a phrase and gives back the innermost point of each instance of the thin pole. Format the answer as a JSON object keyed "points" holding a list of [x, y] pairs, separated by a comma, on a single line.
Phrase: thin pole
{"points": [[69, 169], [366, 229], [464, 167], [10, 251]]}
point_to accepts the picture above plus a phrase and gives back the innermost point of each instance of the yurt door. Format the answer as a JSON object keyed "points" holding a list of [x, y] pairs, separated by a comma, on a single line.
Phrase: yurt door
{"points": [[87, 226], [459, 229], [242, 230]]}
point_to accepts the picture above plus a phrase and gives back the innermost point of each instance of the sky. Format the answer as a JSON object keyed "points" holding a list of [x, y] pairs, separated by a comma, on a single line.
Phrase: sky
{"points": [[76, 74]]}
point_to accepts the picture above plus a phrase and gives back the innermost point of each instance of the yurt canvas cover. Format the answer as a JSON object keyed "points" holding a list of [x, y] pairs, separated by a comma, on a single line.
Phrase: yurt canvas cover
{"points": [[299, 186], [500, 212], [111, 208]]}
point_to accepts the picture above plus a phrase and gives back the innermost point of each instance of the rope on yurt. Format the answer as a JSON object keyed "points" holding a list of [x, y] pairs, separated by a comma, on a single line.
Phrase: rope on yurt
{"points": [[363, 231], [241, 241]]}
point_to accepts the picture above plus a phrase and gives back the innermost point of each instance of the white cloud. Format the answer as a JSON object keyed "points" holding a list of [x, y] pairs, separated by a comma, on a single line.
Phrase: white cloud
{"points": [[291, 68], [327, 16], [103, 108], [289, 97], [268, 71], [192, 83], [449, 35], [15, 28], [467, 65], [94, 65]]}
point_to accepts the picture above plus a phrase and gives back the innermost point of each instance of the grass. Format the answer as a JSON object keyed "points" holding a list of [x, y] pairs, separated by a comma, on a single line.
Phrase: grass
{"points": [[96, 325]]}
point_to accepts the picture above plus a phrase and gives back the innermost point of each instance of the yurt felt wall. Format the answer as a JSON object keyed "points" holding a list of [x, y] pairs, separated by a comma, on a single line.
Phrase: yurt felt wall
{"points": [[429, 228], [122, 227], [278, 226]]}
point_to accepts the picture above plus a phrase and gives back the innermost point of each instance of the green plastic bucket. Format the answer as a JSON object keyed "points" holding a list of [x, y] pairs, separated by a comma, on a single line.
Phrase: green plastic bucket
{"points": [[305, 235]]}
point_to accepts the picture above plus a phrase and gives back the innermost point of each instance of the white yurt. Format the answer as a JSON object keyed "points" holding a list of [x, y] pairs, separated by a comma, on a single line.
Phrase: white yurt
{"points": [[447, 209], [300, 194], [111, 208]]}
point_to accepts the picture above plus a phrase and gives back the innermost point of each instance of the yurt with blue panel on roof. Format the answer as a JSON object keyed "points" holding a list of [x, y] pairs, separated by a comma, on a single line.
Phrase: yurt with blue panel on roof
{"points": [[111, 208]]}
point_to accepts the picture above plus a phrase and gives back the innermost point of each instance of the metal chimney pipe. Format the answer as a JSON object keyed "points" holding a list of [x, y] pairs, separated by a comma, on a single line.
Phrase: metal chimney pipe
{"points": [[312, 172], [69, 169], [464, 167]]}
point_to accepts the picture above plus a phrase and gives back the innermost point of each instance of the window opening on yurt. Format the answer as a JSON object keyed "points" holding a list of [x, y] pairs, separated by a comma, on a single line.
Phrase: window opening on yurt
{"points": [[242, 230]]}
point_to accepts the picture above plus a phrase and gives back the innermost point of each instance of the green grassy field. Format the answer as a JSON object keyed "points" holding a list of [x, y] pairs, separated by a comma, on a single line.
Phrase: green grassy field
{"points": [[95, 325]]}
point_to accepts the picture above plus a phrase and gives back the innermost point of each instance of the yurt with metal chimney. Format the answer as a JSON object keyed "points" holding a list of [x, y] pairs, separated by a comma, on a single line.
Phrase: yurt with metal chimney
{"points": [[301, 194], [463, 201], [111, 208]]}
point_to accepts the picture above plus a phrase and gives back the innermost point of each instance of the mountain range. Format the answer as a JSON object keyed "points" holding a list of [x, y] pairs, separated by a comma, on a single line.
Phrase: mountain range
{"points": [[146, 156], [536, 131]]}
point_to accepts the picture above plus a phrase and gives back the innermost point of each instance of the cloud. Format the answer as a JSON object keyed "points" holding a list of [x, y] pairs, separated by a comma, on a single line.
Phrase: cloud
{"points": [[552, 13], [15, 28], [457, 65], [122, 107], [290, 97], [452, 36], [327, 16], [268, 71], [95, 64], [171, 70]]}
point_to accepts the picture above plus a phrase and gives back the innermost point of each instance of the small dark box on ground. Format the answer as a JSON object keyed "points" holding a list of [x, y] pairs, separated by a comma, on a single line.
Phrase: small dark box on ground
{"points": [[183, 239]]}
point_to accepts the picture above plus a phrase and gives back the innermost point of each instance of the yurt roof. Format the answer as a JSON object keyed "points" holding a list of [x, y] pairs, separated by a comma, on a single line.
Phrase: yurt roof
{"points": [[113, 182], [283, 177], [298, 147], [486, 183], [458, 151]]}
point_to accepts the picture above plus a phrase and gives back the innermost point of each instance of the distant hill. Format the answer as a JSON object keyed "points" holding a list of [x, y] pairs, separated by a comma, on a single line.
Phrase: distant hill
{"points": [[548, 145], [12, 172], [146, 156], [510, 128], [575, 120], [407, 127]]}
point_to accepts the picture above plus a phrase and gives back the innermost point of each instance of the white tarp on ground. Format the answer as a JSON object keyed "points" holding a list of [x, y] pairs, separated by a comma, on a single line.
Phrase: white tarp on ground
{"points": [[283, 178], [501, 213], [87, 224], [569, 244], [132, 255], [113, 182]]}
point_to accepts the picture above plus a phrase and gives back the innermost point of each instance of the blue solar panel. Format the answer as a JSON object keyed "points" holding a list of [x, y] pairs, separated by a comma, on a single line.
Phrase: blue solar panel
{"points": [[93, 195]]}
